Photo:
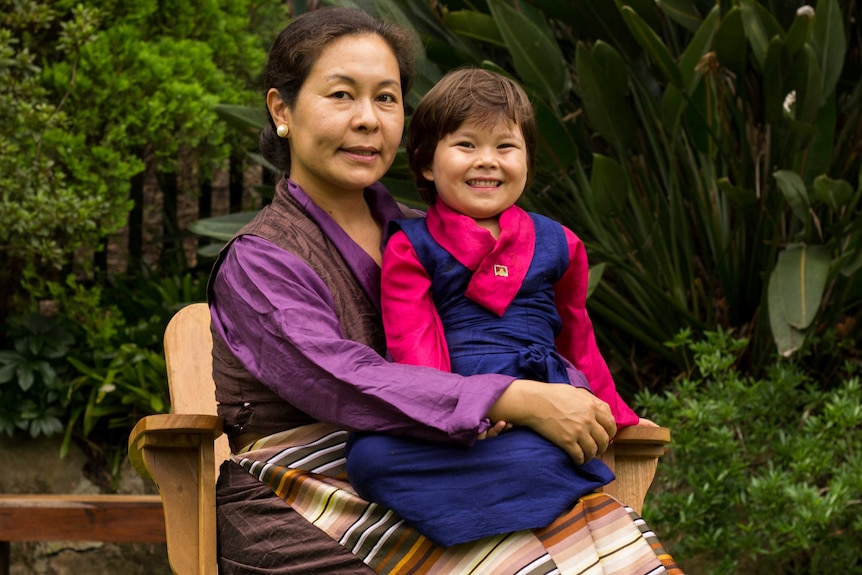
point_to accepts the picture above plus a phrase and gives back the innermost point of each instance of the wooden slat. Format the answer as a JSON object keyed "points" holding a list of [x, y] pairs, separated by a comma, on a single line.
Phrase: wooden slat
{"points": [[108, 517]]}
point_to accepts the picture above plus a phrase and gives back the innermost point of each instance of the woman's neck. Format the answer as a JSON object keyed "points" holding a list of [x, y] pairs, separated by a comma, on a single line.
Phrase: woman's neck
{"points": [[353, 215]]}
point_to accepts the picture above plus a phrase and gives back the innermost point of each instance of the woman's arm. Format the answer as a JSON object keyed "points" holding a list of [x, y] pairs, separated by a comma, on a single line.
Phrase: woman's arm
{"points": [[570, 417], [278, 319], [577, 341]]}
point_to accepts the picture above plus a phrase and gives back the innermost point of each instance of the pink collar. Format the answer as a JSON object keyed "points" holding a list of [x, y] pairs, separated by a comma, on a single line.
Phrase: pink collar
{"points": [[499, 266]]}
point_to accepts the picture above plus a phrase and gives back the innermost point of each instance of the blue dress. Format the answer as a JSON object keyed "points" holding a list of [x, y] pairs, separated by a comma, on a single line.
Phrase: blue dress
{"points": [[517, 480]]}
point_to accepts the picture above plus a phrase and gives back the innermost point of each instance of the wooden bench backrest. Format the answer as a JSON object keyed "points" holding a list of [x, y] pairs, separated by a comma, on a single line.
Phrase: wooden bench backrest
{"points": [[188, 355]]}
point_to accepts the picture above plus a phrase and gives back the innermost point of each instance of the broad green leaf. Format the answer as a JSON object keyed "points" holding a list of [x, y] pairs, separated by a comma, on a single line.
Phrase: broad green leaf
{"points": [[799, 31], [607, 109], [646, 10], [692, 57], [818, 154], [801, 274], [221, 227], [741, 196], [653, 46], [787, 338], [795, 193], [535, 55], [700, 120], [473, 24], [754, 32], [807, 83], [594, 278], [683, 12], [673, 104], [613, 67], [729, 42], [834, 193], [853, 263], [599, 19], [258, 159], [242, 117], [557, 150], [776, 68], [609, 186], [830, 44]]}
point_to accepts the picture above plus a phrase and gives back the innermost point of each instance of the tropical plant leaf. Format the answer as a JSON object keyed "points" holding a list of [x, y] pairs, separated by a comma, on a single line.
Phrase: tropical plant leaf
{"points": [[682, 11], [787, 338], [801, 274], [221, 227], [606, 108], [476, 25], [536, 56], [242, 117], [794, 191], [829, 44], [755, 32], [594, 278], [834, 193], [608, 186], [653, 46]]}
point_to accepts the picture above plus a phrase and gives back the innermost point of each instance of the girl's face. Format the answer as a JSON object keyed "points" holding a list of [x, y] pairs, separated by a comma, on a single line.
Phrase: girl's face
{"points": [[347, 122], [479, 170]]}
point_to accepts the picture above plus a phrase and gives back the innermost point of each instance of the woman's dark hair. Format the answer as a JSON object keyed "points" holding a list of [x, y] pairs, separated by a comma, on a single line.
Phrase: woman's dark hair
{"points": [[466, 94], [298, 47]]}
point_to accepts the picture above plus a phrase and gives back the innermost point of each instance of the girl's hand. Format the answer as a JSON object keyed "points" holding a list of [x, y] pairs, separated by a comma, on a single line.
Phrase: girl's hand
{"points": [[646, 422]]}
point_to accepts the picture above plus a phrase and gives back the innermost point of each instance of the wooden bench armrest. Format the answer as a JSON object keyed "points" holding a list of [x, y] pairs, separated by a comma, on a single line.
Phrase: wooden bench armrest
{"points": [[176, 452], [633, 457]]}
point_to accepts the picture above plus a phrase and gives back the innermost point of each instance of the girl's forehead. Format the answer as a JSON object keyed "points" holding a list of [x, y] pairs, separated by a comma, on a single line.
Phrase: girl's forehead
{"points": [[493, 122]]}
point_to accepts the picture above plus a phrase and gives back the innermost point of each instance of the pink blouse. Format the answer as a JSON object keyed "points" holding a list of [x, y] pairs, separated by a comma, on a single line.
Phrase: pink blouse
{"points": [[414, 331]]}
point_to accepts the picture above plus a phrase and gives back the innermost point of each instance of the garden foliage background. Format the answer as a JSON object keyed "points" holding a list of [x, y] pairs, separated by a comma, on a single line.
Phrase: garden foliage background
{"points": [[708, 153]]}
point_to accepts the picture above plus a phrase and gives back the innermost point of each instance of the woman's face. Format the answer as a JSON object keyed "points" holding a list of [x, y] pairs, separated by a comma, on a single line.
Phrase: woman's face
{"points": [[346, 124]]}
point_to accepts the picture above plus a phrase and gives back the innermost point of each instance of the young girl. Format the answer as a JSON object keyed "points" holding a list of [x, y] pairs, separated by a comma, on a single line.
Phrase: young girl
{"points": [[481, 286]]}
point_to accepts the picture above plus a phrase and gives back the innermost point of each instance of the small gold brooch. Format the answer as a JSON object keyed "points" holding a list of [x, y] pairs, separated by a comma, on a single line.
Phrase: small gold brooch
{"points": [[501, 271]]}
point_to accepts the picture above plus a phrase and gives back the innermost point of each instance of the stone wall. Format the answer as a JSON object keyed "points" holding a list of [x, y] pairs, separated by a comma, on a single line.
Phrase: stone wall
{"points": [[34, 466]]}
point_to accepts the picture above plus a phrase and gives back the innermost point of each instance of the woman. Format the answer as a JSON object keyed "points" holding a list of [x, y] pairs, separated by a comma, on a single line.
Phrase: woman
{"points": [[298, 343]]}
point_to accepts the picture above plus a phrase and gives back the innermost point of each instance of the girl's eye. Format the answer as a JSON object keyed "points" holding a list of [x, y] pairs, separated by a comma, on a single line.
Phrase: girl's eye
{"points": [[464, 144]]}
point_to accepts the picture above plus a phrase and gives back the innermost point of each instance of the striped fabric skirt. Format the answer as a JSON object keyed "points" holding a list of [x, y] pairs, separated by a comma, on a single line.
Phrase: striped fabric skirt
{"points": [[305, 467]]}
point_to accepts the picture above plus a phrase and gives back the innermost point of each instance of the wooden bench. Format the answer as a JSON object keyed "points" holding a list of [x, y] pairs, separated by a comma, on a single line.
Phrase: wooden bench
{"points": [[106, 517]]}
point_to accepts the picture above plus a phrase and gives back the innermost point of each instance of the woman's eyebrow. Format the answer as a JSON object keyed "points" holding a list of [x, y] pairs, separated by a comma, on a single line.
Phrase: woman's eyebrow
{"points": [[354, 81]]}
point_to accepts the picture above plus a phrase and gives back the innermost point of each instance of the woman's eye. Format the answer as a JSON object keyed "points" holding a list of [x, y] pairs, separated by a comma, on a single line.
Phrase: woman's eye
{"points": [[388, 98], [341, 95]]}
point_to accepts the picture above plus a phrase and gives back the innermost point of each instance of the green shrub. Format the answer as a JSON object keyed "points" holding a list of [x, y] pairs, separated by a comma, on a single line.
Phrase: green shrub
{"points": [[33, 375], [763, 475], [97, 366]]}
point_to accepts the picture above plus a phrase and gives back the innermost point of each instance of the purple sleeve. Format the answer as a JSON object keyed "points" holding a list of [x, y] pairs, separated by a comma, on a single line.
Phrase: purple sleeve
{"points": [[276, 315]]}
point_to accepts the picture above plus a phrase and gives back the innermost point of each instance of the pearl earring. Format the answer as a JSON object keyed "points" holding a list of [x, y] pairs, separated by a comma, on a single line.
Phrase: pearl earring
{"points": [[282, 130]]}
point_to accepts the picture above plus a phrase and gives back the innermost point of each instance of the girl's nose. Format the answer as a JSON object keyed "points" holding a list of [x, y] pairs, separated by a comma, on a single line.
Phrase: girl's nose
{"points": [[486, 160]]}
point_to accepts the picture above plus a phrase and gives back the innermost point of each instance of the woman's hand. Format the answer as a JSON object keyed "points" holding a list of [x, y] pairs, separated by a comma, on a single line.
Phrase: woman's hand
{"points": [[495, 430], [570, 417]]}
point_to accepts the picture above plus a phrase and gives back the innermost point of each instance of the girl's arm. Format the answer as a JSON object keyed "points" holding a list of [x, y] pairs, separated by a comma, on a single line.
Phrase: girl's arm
{"points": [[414, 331], [577, 341]]}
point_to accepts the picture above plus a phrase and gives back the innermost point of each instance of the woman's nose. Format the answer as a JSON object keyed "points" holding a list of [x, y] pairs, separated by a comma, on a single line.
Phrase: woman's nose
{"points": [[366, 116]]}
